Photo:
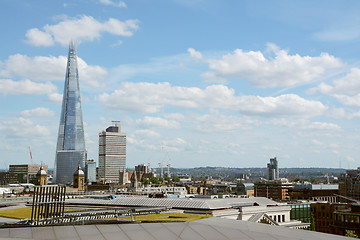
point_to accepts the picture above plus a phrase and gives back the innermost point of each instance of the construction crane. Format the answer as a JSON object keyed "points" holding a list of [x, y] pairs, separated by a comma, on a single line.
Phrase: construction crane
{"points": [[32, 162], [168, 169], [161, 169]]}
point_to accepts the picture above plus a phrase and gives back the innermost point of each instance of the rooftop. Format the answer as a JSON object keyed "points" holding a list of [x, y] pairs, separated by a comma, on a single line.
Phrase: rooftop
{"points": [[179, 203], [211, 228]]}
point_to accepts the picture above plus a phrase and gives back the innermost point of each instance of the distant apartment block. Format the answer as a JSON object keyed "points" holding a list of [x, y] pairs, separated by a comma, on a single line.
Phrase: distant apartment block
{"points": [[141, 168], [273, 169], [349, 184], [112, 154], [273, 189]]}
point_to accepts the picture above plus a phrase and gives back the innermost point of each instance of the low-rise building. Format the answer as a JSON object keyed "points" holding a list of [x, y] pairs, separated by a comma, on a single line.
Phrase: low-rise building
{"points": [[323, 215], [24, 173], [165, 190], [300, 211], [254, 209], [273, 189], [347, 220], [246, 189], [314, 192]]}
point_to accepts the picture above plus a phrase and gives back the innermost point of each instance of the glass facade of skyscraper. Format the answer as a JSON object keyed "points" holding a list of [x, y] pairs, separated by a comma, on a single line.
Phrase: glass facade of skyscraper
{"points": [[70, 150]]}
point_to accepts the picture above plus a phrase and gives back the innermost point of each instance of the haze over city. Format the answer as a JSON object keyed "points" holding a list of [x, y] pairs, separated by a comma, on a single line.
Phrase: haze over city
{"points": [[193, 82]]}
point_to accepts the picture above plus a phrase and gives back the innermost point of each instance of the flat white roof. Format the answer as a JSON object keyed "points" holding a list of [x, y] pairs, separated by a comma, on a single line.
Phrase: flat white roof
{"points": [[208, 229]]}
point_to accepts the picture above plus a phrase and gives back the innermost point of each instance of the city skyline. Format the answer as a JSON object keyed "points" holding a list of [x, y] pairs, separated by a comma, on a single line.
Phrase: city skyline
{"points": [[195, 83]]}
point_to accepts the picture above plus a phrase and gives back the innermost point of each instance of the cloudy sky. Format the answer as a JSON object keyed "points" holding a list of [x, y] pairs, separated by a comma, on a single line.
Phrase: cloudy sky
{"points": [[193, 82]]}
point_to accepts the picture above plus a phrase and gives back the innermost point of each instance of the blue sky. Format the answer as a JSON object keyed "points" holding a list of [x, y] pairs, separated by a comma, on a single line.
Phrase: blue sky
{"points": [[193, 82]]}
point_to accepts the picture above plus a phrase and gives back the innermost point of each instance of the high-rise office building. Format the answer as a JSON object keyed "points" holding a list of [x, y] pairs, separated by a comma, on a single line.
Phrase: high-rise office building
{"points": [[273, 169], [112, 153], [70, 150]]}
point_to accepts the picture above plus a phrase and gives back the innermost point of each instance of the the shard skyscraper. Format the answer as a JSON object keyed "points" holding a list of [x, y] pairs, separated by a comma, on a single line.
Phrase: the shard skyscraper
{"points": [[70, 150]]}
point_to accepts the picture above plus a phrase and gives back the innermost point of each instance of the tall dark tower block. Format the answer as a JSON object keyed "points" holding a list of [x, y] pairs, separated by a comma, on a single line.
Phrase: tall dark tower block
{"points": [[70, 150]]}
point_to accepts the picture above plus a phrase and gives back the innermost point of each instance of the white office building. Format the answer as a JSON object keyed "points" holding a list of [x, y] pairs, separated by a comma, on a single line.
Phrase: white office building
{"points": [[112, 154]]}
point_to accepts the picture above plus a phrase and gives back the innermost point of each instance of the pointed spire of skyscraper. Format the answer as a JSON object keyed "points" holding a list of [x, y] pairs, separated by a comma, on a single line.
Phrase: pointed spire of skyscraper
{"points": [[70, 150]]}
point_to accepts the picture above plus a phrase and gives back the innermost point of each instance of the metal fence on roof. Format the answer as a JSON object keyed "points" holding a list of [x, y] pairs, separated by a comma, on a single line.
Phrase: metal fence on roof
{"points": [[48, 203]]}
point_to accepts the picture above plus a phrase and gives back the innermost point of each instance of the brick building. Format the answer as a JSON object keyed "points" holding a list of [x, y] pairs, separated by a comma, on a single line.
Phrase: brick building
{"points": [[273, 189]]}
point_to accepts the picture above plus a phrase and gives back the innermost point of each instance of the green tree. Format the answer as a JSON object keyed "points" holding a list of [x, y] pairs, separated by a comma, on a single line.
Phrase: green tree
{"points": [[161, 179], [351, 234], [168, 179], [154, 180], [176, 179], [145, 181]]}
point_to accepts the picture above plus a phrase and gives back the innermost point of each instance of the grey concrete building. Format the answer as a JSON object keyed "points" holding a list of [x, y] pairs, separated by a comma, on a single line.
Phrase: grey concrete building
{"points": [[273, 169]]}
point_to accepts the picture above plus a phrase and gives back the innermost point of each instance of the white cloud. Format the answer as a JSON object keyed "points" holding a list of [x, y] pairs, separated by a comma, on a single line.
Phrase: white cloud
{"points": [[352, 101], [84, 28], [216, 122], [55, 97], [338, 113], [157, 122], [283, 105], [175, 116], [146, 134], [334, 145], [40, 68], [23, 128], [322, 126], [344, 34], [8, 86], [348, 84], [113, 3], [37, 112], [118, 43], [194, 53], [91, 75], [317, 142], [212, 77], [38, 38], [345, 90], [151, 98], [305, 124], [37, 68], [174, 145], [281, 70]]}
